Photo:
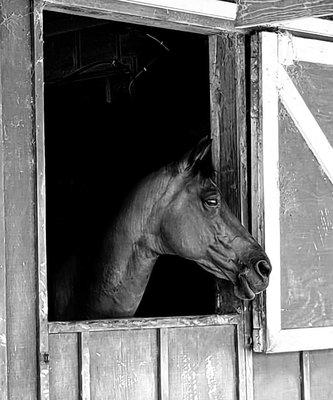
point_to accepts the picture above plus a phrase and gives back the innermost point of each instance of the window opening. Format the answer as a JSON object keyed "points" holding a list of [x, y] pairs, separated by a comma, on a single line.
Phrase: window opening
{"points": [[120, 101]]}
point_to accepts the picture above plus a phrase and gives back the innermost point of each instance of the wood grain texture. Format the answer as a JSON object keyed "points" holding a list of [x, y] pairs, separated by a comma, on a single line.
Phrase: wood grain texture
{"points": [[202, 363], [227, 73], [321, 374], [257, 12], [64, 371], [256, 183], [276, 376], [42, 334], [163, 343], [305, 375], [3, 272], [314, 81], [124, 365], [306, 233], [142, 15], [19, 185], [142, 323], [84, 365]]}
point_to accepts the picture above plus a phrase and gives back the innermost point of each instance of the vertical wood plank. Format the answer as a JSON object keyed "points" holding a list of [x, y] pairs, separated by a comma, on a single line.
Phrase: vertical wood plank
{"points": [[124, 365], [163, 364], [42, 335], [257, 194], [241, 363], [223, 99], [223, 115], [202, 363], [245, 359], [321, 377], [84, 366], [214, 81], [3, 271], [276, 376], [241, 123], [64, 366], [305, 373], [18, 161], [229, 131]]}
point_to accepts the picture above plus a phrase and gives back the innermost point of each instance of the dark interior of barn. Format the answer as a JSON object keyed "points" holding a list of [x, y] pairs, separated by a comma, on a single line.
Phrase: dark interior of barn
{"points": [[121, 101]]}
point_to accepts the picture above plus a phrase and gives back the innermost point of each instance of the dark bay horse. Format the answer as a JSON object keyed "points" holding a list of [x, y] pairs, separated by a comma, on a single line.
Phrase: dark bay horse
{"points": [[177, 210]]}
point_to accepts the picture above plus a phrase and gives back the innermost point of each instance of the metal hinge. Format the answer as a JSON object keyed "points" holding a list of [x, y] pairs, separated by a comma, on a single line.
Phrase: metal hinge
{"points": [[46, 358]]}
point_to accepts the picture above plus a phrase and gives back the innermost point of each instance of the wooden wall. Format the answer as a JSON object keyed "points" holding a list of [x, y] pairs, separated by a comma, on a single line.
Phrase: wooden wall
{"points": [[18, 273], [293, 376], [148, 364], [179, 364]]}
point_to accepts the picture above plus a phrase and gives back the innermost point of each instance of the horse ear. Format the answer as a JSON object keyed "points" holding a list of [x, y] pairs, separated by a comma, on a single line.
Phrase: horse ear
{"points": [[199, 155]]}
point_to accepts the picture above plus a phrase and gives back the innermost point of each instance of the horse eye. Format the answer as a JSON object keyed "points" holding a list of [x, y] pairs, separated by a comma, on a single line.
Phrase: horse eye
{"points": [[211, 202]]}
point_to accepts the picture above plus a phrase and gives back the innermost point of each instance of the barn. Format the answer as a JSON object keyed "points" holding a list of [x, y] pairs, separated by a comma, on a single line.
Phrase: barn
{"points": [[96, 93]]}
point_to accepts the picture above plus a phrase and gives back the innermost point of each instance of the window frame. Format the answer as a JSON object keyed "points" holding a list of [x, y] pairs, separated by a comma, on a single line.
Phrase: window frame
{"points": [[270, 52], [183, 22]]}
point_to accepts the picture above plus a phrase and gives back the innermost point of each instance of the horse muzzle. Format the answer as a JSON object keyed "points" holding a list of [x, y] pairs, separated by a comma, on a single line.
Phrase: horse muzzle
{"points": [[253, 280]]}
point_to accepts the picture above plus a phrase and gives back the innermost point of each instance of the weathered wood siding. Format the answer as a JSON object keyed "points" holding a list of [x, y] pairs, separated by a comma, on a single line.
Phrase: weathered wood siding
{"points": [[64, 362], [256, 12], [277, 376], [321, 374], [147, 364], [18, 273], [284, 376]]}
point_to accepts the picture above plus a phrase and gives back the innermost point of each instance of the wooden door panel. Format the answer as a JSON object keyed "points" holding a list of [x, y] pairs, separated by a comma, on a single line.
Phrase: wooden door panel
{"points": [[168, 363], [321, 374], [123, 365], [64, 370], [202, 363], [276, 377]]}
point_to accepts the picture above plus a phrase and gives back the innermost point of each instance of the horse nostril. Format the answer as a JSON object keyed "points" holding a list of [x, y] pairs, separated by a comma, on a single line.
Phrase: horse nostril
{"points": [[263, 268]]}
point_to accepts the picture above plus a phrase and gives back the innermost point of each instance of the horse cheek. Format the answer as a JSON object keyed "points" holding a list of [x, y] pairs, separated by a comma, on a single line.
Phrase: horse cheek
{"points": [[178, 238]]}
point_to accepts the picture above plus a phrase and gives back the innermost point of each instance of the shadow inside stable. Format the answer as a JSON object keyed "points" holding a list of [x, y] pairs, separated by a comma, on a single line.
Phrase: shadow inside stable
{"points": [[121, 101]]}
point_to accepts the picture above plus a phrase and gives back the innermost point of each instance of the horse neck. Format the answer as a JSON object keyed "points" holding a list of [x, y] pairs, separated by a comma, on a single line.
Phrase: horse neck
{"points": [[118, 290], [128, 257]]}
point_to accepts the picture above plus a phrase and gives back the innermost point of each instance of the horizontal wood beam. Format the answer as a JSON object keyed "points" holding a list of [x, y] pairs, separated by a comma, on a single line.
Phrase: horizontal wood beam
{"points": [[258, 12], [143, 323], [215, 8], [308, 26], [147, 13]]}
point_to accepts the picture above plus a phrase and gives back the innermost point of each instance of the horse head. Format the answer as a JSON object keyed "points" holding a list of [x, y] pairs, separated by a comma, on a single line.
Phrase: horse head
{"points": [[197, 224]]}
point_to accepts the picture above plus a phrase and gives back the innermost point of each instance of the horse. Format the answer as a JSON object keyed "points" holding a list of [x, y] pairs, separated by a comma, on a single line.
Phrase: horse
{"points": [[176, 210]]}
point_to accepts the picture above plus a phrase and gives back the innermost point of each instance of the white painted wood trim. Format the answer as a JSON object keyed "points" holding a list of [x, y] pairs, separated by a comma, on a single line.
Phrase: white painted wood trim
{"points": [[313, 51], [270, 137], [276, 83], [305, 122], [292, 48], [212, 8], [300, 339], [309, 26]]}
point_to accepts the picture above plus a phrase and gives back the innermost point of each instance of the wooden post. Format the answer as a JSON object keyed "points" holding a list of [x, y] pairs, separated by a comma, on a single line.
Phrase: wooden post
{"points": [[228, 127], [230, 156], [18, 271]]}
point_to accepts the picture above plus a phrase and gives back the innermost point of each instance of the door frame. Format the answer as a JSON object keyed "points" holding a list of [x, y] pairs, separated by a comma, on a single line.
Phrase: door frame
{"points": [[224, 145]]}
